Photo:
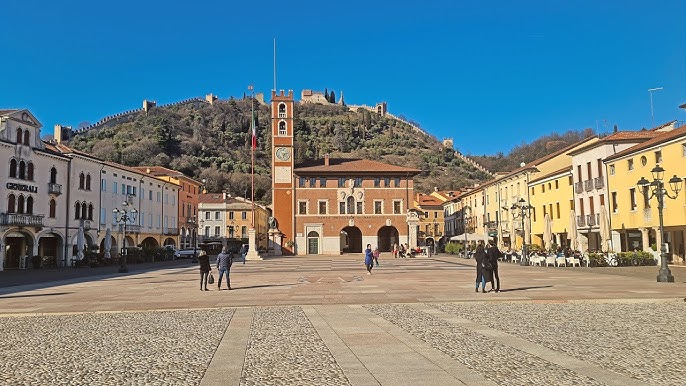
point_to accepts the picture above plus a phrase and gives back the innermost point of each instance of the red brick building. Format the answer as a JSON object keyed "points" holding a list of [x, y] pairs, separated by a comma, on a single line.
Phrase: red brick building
{"points": [[332, 206]]}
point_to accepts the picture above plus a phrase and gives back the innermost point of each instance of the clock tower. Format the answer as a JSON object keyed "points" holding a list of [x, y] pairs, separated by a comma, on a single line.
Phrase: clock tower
{"points": [[283, 183]]}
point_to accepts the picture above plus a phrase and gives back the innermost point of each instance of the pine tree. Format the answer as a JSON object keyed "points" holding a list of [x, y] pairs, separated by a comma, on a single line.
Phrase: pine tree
{"points": [[332, 99]]}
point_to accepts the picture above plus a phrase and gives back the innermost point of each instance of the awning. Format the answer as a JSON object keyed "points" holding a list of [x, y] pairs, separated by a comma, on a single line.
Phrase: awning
{"points": [[470, 237]]}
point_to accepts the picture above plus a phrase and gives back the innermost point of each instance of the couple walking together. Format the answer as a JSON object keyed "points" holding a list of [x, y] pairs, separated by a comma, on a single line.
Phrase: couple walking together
{"points": [[224, 261], [487, 267]]}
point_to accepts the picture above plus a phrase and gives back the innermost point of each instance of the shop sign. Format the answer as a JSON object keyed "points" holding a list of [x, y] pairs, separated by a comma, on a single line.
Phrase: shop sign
{"points": [[22, 187]]}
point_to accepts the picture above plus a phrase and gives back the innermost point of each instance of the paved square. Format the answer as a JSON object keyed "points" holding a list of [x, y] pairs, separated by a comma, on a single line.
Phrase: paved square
{"points": [[324, 321]]}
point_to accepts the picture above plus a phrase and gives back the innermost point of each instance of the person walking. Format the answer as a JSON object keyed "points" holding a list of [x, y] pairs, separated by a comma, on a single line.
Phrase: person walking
{"points": [[493, 254], [395, 250], [376, 254], [369, 259], [205, 269], [480, 257], [224, 261]]}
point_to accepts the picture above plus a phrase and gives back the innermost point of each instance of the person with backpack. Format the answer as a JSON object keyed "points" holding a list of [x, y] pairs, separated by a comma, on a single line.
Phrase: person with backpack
{"points": [[480, 257], [493, 254]]}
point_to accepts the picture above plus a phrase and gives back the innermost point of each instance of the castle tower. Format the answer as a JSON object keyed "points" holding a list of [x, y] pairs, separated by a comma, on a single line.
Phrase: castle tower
{"points": [[283, 183]]}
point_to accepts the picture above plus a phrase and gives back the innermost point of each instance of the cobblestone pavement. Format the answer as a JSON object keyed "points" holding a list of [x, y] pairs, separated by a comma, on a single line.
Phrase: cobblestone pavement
{"points": [[322, 322]]}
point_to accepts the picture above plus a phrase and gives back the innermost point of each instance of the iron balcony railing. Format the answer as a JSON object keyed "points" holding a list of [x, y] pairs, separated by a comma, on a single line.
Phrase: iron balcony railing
{"points": [[86, 224], [19, 219], [593, 219], [578, 187], [171, 231], [588, 185], [130, 228], [54, 188], [599, 183], [581, 221]]}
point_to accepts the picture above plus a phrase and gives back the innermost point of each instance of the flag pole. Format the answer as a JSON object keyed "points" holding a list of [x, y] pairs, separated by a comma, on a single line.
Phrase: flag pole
{"points": [[252, 155]]}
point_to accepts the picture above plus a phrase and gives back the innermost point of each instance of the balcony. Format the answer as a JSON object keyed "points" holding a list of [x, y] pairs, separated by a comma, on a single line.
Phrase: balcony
{"points": [[18, 219], [588, 185], [578, 187], [55, 189], [581, 221], [171, 231], [130, 228], [593, 219], [599, 183], [86, 224], [492, 225]]}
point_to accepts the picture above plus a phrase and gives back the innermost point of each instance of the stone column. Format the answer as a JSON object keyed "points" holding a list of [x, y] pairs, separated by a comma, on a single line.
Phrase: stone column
{"points": [[645, 240], [252, 247], [658, 240], [275, 240], [2, 256]]}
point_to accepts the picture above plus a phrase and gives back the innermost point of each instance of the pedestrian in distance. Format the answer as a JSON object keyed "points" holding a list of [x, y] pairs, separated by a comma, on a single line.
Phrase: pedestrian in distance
{"points": [[395, 250], [205, 269], [224, 261], [369, 259], [480, 256], [376, 254], [244, 252], [493, 254]]}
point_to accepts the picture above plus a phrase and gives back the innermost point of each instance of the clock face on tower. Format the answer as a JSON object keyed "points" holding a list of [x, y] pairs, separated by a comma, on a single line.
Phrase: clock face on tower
{"points": [[283, 154]]}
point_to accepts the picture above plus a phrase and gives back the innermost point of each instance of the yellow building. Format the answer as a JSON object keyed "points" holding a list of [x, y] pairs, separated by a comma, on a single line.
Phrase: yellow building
{"points": [[631, 214], [432, 223], [551, 195]]}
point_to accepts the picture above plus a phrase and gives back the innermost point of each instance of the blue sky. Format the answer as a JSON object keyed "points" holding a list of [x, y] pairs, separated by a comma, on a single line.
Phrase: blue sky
{"points": [[490, 74]]}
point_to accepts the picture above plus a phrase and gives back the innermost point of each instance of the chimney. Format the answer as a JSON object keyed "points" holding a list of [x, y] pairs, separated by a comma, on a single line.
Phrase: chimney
{"points": [[224, 195], [615, 129], [326, 159], [435, 188]]}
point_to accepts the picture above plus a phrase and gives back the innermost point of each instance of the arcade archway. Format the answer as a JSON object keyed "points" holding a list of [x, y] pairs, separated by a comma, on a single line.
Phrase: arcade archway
{"points": [[387, 236], [351, 240], [150, 243], [18, 244]]}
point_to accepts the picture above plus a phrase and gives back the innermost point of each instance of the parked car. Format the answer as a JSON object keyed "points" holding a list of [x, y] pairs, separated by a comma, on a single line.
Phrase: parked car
{"points": [[186, 253]]}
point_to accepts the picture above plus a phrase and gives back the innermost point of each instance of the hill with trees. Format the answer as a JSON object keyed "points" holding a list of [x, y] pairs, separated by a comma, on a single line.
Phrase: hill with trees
{"points": [[212, 141]]}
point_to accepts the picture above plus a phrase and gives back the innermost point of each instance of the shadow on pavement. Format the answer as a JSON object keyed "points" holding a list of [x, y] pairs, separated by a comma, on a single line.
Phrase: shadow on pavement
{"points": [[33, 296], [265, 286], [525, 288]]}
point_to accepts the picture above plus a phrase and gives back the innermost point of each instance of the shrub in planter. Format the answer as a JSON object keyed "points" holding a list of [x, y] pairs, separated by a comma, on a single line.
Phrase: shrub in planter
{"points": [[453, 248], [597, 260]]}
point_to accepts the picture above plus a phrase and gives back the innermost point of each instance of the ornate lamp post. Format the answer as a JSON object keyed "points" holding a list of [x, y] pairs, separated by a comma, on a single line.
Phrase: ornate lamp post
{"points": [[656, 188], [193, 225], [123, 216], [521, 210]]}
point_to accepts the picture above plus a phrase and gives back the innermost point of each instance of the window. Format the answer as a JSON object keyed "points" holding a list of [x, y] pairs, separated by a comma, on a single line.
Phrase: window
{"points": [[397, 182], [602, 199], [84, 211], [207, 231], [282, 110], [82, 180], [646, 198], [77, 211], [387, 182], [231, 215], [542, 188], [150, 195], [29, 172], [216, 215], [29, 204], [377, 207], [557, 209], [88, 182], [350, 205], [22, 170], [123, 189], [217, 230], [159, 196], [207, 215], [341, 182], [358, 182], [397, 207], [644, 160], [632, 194], [533, 190], [103, 216], [341, 208], [322, 182], [166, 198], [244, 215], [571, 204], [282, 128], [244, 231], [302, 207], [103, 185], [52, 209], [19, 132], [614, 202], [557, 186], [359, 207], [114, 187], [612, 169], [683, 149], [13, 168], [630, 164], [322, 207], [90, 211], [658, 157], [301, 182], [313, 182], [600, 167], [377, 182], [27, 138], [571, 181], [11, 205]]}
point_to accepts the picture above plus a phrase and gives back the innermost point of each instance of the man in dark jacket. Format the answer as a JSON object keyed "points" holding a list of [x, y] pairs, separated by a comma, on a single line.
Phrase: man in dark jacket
{"points": [[224, 266], [493, 254]]}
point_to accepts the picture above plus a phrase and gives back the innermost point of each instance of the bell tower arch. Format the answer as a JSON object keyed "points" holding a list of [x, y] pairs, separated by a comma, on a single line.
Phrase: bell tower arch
{"points": [[283, 183]]}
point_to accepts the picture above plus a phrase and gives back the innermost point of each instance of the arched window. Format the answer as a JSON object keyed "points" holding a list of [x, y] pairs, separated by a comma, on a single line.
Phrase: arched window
{"points": [[13, 168], [52, 209], [77, 211], [11, 204], [84, 211], [27, 138], [81, 180], [282, 128], [29, 205], [90, 211], [282, 110], [350, 207], [22, 170], [20, 204], [53, 175], [19, 133], [29, 172], [88, 182]]}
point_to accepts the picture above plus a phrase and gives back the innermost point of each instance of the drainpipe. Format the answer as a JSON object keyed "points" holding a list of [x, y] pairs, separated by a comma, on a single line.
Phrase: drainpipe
{"points": [[100, 200], [66, 222]]}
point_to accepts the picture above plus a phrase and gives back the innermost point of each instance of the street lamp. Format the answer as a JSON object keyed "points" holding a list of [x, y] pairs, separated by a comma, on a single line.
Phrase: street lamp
{"points": [[193, 225], [656, 188], [124, 216], [522, 210]]}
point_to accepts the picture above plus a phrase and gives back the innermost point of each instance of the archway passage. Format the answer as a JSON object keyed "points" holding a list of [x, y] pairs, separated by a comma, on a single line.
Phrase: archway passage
{"points": [[351, 240], [387, 236], [113, 246], [17, 245], [49, 247], [313, 243], [169, 241], [150, 243]]}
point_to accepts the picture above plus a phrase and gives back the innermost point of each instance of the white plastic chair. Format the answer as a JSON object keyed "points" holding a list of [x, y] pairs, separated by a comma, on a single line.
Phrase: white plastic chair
{"points": [[561, 261], [550, 260], [536, 260], [574, 261]]}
